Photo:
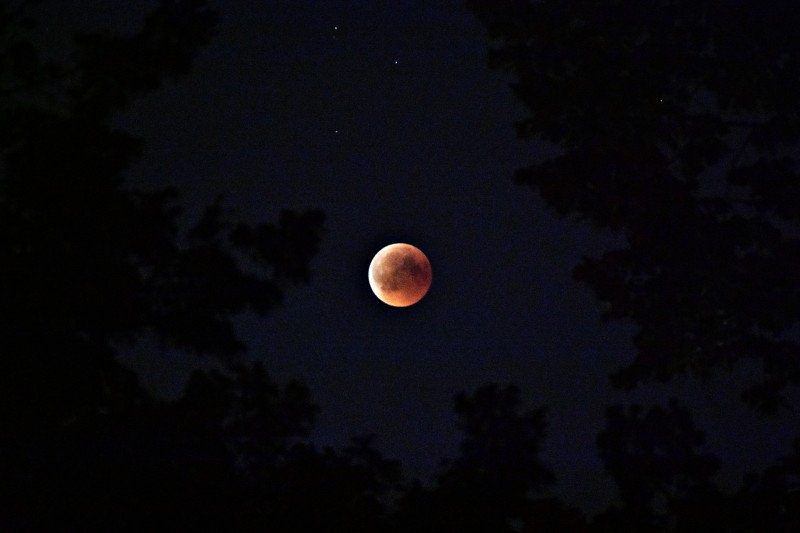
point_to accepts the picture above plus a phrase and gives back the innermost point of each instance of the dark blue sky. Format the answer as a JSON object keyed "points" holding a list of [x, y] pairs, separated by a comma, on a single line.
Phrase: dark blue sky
{"points": [[385, 115]]}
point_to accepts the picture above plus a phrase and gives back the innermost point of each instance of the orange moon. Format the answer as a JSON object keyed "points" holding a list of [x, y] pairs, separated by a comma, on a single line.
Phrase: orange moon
{"points": [[400, 275]]}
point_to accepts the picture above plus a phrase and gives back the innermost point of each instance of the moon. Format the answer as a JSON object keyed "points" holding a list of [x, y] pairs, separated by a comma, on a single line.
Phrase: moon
{"points": [[400, 274]]}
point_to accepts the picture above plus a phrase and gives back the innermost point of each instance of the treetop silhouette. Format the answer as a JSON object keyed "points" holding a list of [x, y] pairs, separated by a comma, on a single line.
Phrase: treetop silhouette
{"points": [[678, 123]]}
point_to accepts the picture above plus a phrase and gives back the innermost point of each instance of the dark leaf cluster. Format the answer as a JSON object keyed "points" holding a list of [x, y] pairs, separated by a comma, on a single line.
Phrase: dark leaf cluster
{"points": [[679, 126]]}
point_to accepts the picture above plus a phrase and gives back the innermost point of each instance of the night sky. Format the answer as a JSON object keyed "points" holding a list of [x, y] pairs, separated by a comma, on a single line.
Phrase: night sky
{"points": [[386, 116]]}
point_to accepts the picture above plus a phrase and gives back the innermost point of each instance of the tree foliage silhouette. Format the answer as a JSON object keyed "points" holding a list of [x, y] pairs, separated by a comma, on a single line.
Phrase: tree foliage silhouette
{"points": [[88, 262], [678, 125], [495, 479], [653, 457]]}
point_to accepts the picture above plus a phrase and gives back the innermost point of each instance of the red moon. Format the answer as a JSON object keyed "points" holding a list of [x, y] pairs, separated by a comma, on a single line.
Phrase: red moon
{"points": [[400, 275]]}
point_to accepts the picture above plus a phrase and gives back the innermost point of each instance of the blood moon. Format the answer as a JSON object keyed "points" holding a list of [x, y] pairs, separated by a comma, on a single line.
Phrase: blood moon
{"points": [[400, 274]]}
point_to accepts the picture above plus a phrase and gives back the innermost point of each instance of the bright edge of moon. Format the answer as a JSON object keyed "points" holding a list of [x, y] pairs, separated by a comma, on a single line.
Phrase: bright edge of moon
{"points": [[400, 274]]}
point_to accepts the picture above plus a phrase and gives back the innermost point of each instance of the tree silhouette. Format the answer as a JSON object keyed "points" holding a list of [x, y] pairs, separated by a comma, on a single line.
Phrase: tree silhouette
{"points": [[653, 458], [350, 490], [88, 262], [678, 125], [491, 485]]}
